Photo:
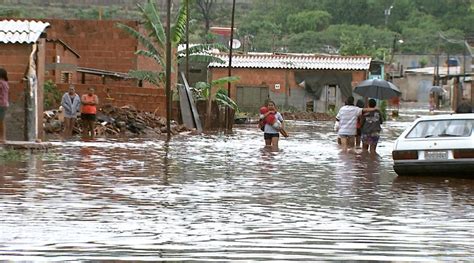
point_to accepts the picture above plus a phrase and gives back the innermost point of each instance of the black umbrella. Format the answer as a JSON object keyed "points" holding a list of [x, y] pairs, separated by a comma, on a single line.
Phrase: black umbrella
{"points": [[437, 89], [377, 89]]}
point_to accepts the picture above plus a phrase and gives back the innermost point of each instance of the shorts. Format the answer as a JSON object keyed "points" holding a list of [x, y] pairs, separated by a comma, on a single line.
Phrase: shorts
{"points": [[346, 136], [269, 136], [3, 111], [370, 138], [88, 117]]}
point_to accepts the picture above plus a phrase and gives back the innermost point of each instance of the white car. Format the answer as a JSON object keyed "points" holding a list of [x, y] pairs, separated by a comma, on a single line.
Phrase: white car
{"points": [[436, 145]]}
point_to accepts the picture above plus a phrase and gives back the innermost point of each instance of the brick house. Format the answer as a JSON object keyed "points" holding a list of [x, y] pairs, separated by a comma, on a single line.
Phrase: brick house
{"points": [[294, 81], [61, 62], [22, 54], [87, 53], [104, 55]]}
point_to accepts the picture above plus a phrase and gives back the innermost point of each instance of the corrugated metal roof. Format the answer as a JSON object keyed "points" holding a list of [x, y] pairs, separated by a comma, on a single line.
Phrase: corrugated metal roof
{"points": [[298, 61], [442, 70], [101, 72], [16, 31]]}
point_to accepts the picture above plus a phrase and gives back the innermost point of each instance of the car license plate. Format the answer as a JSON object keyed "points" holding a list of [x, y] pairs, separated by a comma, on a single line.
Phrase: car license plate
{"points": [[436, 155]]}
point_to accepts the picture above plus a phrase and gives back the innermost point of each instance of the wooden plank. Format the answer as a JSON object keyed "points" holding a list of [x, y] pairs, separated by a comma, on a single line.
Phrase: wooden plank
{"points": [[192, 104], [186, 112]]}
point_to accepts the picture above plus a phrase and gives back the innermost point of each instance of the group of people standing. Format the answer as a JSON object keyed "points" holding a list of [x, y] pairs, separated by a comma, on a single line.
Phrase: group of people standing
{"points": [[71, 103], [86, 105]]}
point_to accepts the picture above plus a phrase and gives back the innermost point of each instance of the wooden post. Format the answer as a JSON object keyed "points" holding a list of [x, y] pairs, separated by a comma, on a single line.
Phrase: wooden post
{"points": [[31, 97], [41, 73]]}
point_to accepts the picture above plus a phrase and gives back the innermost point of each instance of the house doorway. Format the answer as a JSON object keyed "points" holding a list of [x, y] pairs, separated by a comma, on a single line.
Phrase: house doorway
{"points": [[250, 99], [331, 97]]}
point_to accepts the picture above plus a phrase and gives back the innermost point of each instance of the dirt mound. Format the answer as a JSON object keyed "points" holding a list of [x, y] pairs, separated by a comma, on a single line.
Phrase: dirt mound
{"points": [[113, 120]]}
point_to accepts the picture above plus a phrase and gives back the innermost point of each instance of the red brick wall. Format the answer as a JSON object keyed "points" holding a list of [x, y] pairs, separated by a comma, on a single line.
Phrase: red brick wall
{"points": [[100, 43], [257, 77], [15, 118], [358, 76], [14, 59], [54, 49], [66, 58], [143, 99]]}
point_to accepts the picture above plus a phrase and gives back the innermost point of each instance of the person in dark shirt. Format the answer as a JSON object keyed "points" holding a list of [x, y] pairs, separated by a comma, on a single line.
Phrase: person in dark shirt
{"points": [[360, 103], [370, 127]]}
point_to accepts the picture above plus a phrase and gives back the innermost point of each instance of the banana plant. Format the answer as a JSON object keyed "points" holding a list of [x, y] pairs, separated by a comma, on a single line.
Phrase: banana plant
{"points": [[154, 42], [203, 91]]}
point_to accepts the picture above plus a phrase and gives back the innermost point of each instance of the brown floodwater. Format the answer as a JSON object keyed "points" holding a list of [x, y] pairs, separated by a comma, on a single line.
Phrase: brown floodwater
{"points": [[223, 197]]}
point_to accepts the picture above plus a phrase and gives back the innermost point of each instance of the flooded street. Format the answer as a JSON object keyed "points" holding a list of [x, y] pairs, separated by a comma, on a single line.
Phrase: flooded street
{"points": [[224, 197]]}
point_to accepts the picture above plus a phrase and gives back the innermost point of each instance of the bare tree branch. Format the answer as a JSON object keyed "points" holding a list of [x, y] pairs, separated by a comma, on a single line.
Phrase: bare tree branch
{"points": [[205, 7]]}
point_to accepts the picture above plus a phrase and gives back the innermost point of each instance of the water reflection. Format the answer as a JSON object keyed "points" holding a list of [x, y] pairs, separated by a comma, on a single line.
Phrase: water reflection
{"points": [[225, 197]]}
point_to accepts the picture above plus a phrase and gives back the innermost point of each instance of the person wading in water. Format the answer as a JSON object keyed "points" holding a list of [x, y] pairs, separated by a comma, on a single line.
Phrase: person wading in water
{"points": [[88, 112]]}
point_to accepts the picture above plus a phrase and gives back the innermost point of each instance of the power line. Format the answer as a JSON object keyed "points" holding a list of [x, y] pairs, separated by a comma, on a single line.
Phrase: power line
{"points": [[455, 41]]}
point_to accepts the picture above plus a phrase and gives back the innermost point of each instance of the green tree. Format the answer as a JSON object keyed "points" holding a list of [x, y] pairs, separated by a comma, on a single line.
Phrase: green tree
{"points": [[154, 42], [11, 12], [308, 21], [353, 45], [52, 95], [263, 35], [203, 91]]}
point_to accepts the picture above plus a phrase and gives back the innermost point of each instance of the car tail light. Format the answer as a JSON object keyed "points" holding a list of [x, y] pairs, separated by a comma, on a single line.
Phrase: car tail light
{"points": [[405, 155], [464, 153]]}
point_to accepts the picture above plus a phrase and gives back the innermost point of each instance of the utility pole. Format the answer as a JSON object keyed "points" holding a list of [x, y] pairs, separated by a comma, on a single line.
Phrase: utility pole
{"points": [[436, 75], [168, 70], [464, 57], [187, 39], [230, 120]]}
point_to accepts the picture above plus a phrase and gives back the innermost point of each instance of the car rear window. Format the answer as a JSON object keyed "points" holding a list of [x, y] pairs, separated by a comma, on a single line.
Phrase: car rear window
{"points": [[442, 128]]}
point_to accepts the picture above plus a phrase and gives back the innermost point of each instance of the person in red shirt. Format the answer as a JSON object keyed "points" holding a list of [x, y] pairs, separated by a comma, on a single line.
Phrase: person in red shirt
{"points": [[89, 103], [270, 118]]}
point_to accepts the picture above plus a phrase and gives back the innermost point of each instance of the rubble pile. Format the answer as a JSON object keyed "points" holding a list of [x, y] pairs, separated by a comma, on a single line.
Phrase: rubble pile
{"points": [[113, 120], [309, 116]]}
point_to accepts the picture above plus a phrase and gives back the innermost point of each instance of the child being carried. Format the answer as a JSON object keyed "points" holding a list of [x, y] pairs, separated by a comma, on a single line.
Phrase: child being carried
{"points": [[269, 118]]}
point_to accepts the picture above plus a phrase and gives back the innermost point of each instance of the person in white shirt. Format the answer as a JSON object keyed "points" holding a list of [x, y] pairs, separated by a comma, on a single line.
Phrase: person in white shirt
{"points": [[271, 135], [347, 117]]}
